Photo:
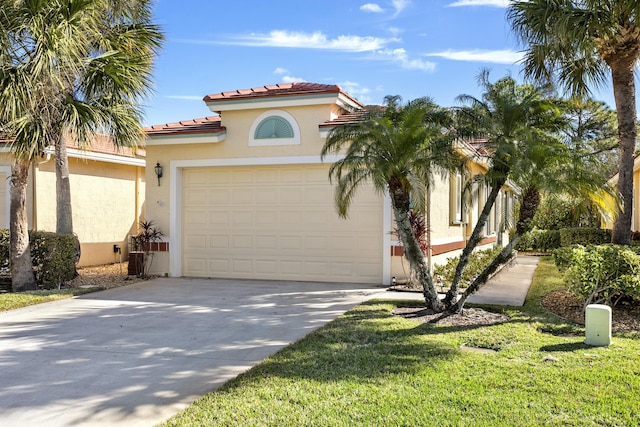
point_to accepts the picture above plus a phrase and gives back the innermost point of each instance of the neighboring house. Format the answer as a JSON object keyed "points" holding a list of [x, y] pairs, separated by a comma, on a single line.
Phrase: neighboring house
{"points": [[107, 196], [244, 194], [613, 182]]}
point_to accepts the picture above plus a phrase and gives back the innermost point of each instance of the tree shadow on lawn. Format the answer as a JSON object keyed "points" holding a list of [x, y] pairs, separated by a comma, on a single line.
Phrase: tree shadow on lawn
{"points": [[367, 342], [566, 347]]}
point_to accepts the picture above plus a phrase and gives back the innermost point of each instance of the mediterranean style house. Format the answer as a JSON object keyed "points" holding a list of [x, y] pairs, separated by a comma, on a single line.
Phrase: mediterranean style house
{"points": [[107, 196], [243, 193]]}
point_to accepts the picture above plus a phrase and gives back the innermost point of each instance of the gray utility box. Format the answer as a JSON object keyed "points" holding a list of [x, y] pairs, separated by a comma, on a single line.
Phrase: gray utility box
{"points": [[597, 322]]}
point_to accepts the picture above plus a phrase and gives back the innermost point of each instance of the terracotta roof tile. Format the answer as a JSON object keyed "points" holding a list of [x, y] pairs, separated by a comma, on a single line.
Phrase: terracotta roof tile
{"points": [[281, 89], [211, 124]]}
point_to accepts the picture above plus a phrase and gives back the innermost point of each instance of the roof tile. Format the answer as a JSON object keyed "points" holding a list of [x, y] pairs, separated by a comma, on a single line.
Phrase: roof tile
{"points": [[280, 89], [211, 124]]}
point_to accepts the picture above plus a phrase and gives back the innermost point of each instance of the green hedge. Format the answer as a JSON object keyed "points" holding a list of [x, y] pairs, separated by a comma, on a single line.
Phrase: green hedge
{"points": [[584, 236], [53, 256], [606, 274], [539, 241]]}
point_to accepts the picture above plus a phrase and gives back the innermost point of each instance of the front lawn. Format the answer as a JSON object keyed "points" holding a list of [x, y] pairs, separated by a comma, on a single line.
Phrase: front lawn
{"points": [[10, 301], [370, 368]]}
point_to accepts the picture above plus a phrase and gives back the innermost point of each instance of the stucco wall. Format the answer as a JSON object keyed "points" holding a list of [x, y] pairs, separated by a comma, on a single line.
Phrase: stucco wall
{"points": [[106, 202]]}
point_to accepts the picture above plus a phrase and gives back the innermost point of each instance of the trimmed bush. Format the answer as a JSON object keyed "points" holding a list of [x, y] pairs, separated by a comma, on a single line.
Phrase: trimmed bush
{"points": [[478, 261], [604, 274], [53, 257], [539, 240], [584, 236]]}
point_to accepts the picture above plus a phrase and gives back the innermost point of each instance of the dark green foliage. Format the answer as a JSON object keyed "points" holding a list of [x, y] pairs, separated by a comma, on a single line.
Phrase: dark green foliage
{"points": [[584, 236], [53, 256], [606, 274], [528, 207], [563, 211], [478, 261], [539, 241]]}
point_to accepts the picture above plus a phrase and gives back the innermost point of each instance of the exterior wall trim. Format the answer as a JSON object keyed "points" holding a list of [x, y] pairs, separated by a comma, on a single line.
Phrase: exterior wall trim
{"points": [[175, 206], [443, 248], [101, 157], [208, 138]]}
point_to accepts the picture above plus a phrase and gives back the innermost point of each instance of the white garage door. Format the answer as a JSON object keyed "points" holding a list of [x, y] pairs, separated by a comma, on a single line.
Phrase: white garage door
{"points": [[277, 222]]}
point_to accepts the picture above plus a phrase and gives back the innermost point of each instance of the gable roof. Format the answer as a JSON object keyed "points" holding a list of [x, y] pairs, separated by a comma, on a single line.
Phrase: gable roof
{"points": [[205, 125]]}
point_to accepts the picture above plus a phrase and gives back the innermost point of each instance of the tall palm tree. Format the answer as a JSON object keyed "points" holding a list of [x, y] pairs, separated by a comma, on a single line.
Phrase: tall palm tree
{"points": [[520, 124], [93, 59], [69, 69], [526, 129], [398, 149], [578, 43]]}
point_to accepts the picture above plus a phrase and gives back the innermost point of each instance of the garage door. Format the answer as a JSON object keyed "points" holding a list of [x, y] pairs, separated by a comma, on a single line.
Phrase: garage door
{"points": [[277, 223]]}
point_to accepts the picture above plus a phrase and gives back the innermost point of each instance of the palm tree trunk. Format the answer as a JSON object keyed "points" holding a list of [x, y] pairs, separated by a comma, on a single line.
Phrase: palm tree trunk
{"points": [[624, 93], [22, 277], [528, 208], [474, 240], [64, 220], [401, 201]]}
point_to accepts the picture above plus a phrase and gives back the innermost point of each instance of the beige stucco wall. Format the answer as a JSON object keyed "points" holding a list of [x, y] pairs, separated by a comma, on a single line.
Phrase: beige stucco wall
{"points": [[106, 203]]}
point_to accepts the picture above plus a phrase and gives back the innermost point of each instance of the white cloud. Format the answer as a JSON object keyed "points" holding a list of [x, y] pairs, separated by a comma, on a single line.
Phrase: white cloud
{"points": [[292, 79], [286, 78], [371, 7], [401, 57], [354, 89], [491, 3], [316, 40], [185, 97], [494, 56], [400, 5]]}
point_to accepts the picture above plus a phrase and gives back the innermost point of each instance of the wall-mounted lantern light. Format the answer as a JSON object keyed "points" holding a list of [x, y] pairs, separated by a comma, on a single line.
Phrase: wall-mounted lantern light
{"points": [[158, 170]]}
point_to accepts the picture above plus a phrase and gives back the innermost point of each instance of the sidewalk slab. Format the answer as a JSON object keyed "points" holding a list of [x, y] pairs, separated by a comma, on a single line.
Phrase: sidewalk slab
{"points": [[510, 286]]}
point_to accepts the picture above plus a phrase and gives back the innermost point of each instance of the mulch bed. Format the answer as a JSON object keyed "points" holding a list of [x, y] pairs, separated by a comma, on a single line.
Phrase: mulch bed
{"points": [[625, 317], [468, 317]]}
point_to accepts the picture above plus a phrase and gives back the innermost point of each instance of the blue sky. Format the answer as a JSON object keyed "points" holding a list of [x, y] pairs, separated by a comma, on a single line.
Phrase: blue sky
{"points": [[371, 48]]}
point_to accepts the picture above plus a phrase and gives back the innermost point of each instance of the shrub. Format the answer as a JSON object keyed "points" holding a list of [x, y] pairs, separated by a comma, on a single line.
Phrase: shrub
{"points": [[539, 240], [606, 274], [557, 211], [53, 257], [478, 261], [584, 236]]}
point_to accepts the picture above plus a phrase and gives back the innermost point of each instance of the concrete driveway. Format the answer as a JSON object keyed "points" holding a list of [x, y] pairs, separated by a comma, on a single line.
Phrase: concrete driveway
{"points": [[136, 355]]}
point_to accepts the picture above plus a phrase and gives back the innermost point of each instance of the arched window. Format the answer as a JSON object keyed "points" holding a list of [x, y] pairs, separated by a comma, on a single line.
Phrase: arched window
{"points": [[274, 127]]}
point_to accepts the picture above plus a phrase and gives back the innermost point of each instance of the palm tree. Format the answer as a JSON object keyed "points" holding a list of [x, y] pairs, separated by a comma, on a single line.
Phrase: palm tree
{"points": [[578, 43], [520, 124], [398, 149], [68, 69], [93, 59]]}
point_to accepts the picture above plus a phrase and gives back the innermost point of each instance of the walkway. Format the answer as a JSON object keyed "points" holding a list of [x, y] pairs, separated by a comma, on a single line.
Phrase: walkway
{"points": [[508, 287]]}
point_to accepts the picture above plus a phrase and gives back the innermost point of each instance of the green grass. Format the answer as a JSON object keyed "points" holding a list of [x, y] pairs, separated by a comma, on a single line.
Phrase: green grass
{"points": [[370, 368], [11, 301]]}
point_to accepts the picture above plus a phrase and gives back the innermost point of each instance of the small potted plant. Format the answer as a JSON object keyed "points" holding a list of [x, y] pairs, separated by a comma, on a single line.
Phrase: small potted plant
{"points": [[141, 255]]}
